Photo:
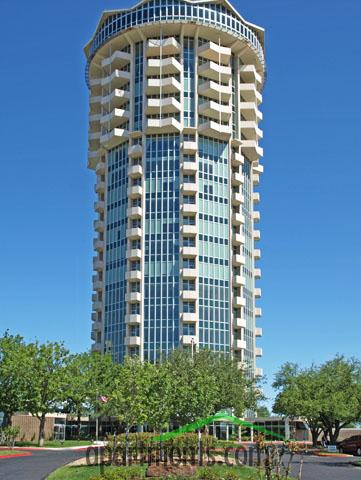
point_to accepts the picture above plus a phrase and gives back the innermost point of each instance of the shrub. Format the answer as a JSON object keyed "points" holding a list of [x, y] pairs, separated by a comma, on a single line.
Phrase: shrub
{"points": [[8, 435], [206, 473], [122, 473]]}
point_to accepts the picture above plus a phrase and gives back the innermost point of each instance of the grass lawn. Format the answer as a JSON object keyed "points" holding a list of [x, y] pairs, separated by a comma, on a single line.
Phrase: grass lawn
{"points": [[56, 443], [86, 472], [11, 452]]}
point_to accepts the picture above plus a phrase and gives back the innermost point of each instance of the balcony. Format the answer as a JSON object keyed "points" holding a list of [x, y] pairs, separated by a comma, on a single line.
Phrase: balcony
{"points": [[97, 306], [238, 260], [257, 273], [189, 229], [238, 218], [131, 341], [239, 344], [189, 148], [163, 125], [258, 332], [117, 59], [215, 129], [250, 93], [255, 179], [258, 372], [215, 71], [164, 66], [189, 294], [116, 98], [135, 191], [252, 150], [134, 233], [95, 118], [189, 317], [250, 130], [133, 297], [256, 235], [189, 167], [189, 188], [97, 285], [237, 159], [97, 326], [189, 339], [99, 186], [99, 206], [134, 254], [98, 244], [132, 319], [256, 197], [134, 212], [239, 323], [98, 265], [237, 179], [96, 347], [94, 139], [257, 168], [133, 275], [189, 251], [257, 253], [163, 105], [100, 168], [258, 312], [237, 198], [257, 292], [115, 118], [93, 156], [164, 46], [256, 216], [190, 273], [190, 208], [239, 302], [99, 225], [215, 91], [258, 352], [214, 52], [249, 74], [239, 281], [166, 85], [250, 111], [135, 151], [135, 171], [118, 78], [238, 239], [114, 137], [215, 110]]}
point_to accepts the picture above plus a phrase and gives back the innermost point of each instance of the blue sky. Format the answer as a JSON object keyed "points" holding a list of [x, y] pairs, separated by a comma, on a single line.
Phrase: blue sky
{"points": [[310, 191]]}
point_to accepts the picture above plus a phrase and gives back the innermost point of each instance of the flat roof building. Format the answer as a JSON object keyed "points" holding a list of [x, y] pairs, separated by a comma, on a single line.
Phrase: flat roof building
{"points": [[175, 89]]}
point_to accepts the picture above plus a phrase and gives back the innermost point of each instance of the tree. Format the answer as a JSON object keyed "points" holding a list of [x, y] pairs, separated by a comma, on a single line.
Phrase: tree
{"points": [[339, 394], [262, 411], [128, 400], [328, 397], [46, 390], [87, 377], [14, 375]]}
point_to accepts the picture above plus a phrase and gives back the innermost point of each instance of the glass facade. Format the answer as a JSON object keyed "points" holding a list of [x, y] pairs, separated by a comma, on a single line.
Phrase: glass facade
{"points": [[214, 250], [161, 261], [248, 267], [189, 82], [138, 86], [116, 244]]}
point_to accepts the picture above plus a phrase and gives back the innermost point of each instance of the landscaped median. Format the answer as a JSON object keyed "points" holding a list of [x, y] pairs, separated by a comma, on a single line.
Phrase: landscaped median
{"points": [[216, 472], [10, 453]]}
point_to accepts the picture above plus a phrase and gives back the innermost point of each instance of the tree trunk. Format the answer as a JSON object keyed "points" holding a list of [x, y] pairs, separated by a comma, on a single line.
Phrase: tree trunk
{"points": [[79, 424], [334, 435], [7, 419], [41, 430], [126, 445], [200, 453], [315, 433]]}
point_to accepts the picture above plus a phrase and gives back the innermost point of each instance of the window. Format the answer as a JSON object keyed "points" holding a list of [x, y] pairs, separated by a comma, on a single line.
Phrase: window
{"points": [[135, 309], [189, 329], [189, 199], [189, 307], [189, 178], [134, 266], [135, 287], [189, 284], [189, 242], [189, 263], [189, 220]]}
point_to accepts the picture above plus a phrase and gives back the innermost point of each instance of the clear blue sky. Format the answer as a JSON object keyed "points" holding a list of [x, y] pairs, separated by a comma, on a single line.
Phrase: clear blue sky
{"points": [[310, 192]]}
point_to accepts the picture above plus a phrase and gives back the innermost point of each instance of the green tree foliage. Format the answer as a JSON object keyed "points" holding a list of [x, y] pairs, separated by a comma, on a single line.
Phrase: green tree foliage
{"points": [[328, 396], [14, 375], [87, 377], [46, 390]]}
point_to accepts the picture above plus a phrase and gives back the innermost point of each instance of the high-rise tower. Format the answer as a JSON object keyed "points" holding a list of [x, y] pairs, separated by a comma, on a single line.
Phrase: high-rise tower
{"points": [[175, 88]]}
